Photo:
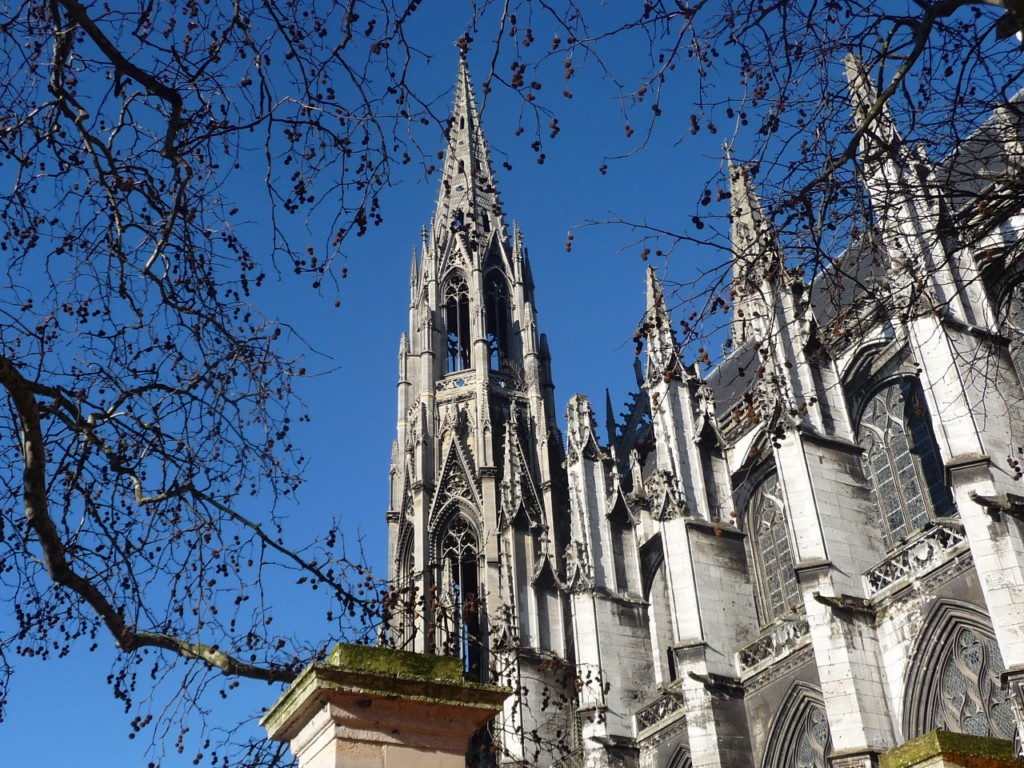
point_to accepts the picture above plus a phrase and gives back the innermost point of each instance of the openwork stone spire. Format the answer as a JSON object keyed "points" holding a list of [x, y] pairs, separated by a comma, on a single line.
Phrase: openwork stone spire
{"points": [[864, 99], [468, 197], [756, 259], [662, 352]]}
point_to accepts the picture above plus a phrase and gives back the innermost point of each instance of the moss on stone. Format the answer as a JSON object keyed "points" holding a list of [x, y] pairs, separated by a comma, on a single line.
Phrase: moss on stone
{"points": [[386, 661], [365, 673], [958, 748]]}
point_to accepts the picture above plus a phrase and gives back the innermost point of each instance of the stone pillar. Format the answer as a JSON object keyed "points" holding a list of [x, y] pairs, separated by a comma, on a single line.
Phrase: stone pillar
{"points": [[379, 708]]}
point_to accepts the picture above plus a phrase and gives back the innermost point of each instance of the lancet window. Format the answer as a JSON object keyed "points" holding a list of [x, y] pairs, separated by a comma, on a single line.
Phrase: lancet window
{"points": [[954, 683], [456, 324], [800, 737], [405, 596], [778, 592], [499, 316], [459, 604], [901, 461], [971, 699], [681, 759]]}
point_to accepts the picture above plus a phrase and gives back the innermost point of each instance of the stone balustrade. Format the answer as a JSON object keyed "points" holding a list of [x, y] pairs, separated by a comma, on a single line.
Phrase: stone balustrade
{"points": [[922, 552]]}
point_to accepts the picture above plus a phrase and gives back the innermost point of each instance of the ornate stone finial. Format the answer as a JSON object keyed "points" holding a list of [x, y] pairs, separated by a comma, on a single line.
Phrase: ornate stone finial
{"points": [[870, 111], [756, 259], [662, 350], [610, 425], [582, 429]]}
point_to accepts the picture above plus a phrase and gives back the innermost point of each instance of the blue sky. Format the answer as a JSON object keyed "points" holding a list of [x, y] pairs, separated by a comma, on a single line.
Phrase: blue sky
{"points": [[589, 301]]}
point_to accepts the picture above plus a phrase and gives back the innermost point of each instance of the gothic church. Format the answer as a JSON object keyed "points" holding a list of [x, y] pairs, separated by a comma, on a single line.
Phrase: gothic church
{"points": [[808, 555]]}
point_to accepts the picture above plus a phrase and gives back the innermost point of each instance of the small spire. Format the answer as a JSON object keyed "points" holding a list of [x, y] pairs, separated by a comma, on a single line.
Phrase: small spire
{"points": [[468, 194], [638, 373], [1007, 124], [610, 424], [662, 354], [413, 274], [749, 226], [754, 247], [580, 424], [527, 272], [864, 98], [888, 163], [756, 258]]}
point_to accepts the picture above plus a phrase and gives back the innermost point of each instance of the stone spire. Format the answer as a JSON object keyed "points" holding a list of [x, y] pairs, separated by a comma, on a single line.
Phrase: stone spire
{"points": [[891, 167], [662, 352], [756, 260], [609, 410], [468, 198], [864, 96], [902, 185], [478, 499]]}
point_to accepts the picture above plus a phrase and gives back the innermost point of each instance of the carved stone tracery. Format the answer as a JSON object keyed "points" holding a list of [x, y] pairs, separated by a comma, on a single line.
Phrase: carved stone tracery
{"points": [[666, 705], [781, 639], [665, 496], [921, 554]]}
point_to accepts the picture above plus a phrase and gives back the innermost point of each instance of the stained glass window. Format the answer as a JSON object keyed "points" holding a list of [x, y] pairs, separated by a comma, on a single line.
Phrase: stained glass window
{"points": [[901, 461], [813, 740], [801, 736], [777, 586], [970, 698]]}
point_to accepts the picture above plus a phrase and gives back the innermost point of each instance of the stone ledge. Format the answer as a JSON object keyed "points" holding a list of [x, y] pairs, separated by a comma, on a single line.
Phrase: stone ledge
{"points": [[355, 675], [944, 748]]}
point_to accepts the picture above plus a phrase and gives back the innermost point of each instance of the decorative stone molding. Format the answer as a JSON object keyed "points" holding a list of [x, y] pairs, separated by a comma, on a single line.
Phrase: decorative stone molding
{"points": [[582, 431], [575, 759], [665, 496], [781, 639], [666, 705], [579, 571], [381, 707], [923, 552], [769, 672], [455, 381]]}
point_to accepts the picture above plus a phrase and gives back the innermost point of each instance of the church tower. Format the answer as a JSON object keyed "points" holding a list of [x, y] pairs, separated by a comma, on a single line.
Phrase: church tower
{"points": [[477, 519]]}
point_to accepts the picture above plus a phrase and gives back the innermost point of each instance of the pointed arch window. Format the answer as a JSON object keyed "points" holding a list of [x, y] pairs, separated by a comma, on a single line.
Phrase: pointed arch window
{"points": [[971, 698], [404, 590], [954, 681], [456, 324], [901, 461], [459, 603], [800, 737], [499, 318], [681, 759], [777, 590]]}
